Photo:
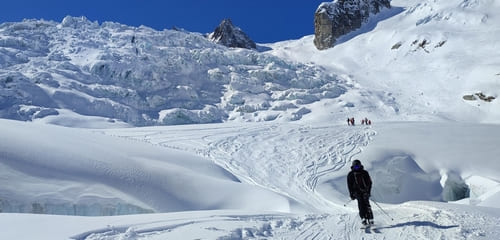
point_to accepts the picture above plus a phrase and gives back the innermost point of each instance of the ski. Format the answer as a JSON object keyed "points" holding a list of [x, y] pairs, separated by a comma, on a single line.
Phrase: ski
{"points": [[366, 226], [371, 227]]}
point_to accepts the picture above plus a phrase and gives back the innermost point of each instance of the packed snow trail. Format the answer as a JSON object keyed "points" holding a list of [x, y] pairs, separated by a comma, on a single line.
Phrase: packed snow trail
{"points": [[287, 158], [414, 220]]}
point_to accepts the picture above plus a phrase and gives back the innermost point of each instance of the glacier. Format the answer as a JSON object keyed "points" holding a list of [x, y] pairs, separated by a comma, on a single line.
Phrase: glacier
{"points": [[142, 76]]}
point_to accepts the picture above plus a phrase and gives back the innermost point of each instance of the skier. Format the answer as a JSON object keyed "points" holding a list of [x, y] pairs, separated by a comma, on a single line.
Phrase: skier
{"points": [[359, 184]]}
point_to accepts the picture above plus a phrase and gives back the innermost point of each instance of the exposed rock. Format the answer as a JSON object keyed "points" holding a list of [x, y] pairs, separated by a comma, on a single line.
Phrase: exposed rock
{"points": [[323, 29], [231, 36], [469, 97], [337, 18], [396, 46], [485, 98], [479, 95]]}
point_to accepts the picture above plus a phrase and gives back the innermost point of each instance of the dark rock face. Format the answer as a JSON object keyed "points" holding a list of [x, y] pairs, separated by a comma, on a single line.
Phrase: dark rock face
{"points": [[334, 19], [231, 36]]}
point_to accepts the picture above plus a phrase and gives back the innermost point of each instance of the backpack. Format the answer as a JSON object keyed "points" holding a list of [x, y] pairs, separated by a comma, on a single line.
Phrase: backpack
{"points": [[359, 181]]}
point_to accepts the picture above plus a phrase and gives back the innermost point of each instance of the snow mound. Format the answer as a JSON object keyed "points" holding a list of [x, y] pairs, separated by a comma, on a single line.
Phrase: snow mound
{"points": [[396, 177], [83, 172]]}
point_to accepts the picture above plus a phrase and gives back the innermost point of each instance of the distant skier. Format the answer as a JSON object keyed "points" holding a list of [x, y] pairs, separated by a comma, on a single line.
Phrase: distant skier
{"points": [[368, 122], [359, 184], [350, 121]]}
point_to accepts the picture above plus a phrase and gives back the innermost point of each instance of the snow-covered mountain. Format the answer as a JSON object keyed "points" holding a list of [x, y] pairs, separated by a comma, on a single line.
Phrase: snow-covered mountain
{"points": [[145, 77], [425, 57], [54, 71], [425, 72]]}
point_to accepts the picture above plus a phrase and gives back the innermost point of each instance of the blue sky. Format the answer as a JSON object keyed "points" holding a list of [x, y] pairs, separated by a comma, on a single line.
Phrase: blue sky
{"points": [[263, 20]]}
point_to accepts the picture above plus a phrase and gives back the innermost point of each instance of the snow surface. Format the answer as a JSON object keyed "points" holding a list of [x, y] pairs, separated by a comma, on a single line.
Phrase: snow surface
{"points": [[432, 154], [291, 181]]}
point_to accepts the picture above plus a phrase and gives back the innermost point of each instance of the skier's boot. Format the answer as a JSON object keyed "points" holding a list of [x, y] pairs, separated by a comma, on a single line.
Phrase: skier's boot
{"points": [[371, 221], [365, 222]]}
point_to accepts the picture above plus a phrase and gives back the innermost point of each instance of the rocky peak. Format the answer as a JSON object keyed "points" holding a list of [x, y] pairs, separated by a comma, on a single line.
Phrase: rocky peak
{"points": [[334, 19], [231, 36]]}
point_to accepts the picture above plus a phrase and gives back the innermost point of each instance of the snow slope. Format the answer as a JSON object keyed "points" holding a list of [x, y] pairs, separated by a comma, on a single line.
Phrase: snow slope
{"points": [[422, 57], [77, 172], [292, 180]]}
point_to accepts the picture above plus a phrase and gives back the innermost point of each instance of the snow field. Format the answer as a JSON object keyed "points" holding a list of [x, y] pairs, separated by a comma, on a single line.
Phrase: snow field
{"points": [[296, 171], [93, 174]]}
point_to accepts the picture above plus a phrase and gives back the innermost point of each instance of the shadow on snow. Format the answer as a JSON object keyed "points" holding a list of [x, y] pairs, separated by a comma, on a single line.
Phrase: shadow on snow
{"points": [[370, 24], [420, 224]]}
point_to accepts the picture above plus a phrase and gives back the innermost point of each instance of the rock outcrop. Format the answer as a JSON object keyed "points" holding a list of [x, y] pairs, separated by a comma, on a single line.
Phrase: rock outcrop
{"points": [[337, 18], [231, 36]]}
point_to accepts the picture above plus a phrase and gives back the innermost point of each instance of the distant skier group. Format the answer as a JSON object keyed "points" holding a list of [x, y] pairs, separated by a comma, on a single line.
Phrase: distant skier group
{"points": [[366, 121]]}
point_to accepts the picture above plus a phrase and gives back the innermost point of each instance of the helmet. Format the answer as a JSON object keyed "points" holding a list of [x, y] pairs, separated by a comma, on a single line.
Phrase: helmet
{"points": [[356, 165]]}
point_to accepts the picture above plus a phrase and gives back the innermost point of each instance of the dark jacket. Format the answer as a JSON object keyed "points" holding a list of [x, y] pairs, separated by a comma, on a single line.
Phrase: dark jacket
{"points": [[359, 182]]}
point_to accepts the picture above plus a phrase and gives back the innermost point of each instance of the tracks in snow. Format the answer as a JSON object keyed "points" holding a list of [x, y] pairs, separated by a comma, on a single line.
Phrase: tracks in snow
{"points": [[414, 221], [290, 159], [286, 158]]}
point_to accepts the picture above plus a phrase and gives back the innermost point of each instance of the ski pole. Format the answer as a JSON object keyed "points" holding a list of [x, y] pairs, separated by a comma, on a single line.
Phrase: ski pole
{"points": [[392, 219], [345, 204]]}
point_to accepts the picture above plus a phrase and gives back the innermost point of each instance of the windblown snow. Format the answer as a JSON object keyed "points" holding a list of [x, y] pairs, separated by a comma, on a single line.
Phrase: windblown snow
{"points": [[89, 161]]}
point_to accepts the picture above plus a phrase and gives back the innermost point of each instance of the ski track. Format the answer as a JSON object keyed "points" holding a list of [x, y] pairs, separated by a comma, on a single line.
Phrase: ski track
{"points": [[250, 153], [414, 221]]}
